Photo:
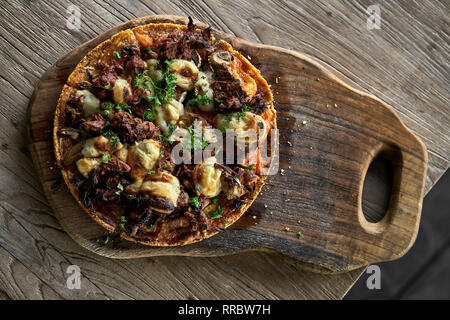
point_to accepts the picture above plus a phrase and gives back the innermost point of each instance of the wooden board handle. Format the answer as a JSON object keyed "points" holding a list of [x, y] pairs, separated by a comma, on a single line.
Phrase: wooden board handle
{"points": [[408, 181]]}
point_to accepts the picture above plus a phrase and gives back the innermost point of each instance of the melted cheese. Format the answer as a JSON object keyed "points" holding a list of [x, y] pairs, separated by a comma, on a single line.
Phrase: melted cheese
{"points": [[180, 67], [202, 87], [90, 150], [147, 152], [209, 184], [168, 113], [246, 122], [154, 73], [167, 187], [90, 104], [121, 90], [122, 154], [135, 186], [86, 165]]}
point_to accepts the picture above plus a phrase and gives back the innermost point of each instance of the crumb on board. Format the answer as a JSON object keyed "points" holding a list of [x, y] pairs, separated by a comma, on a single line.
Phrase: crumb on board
{"points": [[335, 105], [298, 221], [304, 122], [287, 200], [286, 229], [282, 172], [289, 143], [254, 217], [265, 206]]}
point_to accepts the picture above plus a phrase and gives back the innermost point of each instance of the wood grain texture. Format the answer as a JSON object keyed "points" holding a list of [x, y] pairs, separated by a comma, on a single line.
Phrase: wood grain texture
{"points": [[319, 193], [413, 41]]}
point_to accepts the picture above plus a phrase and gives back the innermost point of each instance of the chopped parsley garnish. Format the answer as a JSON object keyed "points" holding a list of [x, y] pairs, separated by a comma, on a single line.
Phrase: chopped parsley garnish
{"points": [[240, 114], [107, 86], [194, 142], [147, 50], [120, 187], [123, 220], [106, 241], [200, 99], [148, 115], [121, 107], [164, 89], [112, 137], [219, 100], [218, 212], [117, 54], [251, 167], [142, 80], [195, 203], [150, 172], [109, 106], [124, 107], [299, 234], [165, 136], [106, 157]]}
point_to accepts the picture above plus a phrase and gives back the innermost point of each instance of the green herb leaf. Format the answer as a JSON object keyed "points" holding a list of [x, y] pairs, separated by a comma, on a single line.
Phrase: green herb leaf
{"points": [[106, 157], [200, 99], [240, 114], [117, 54], [195, 203], [123, 220], [194, 142], [107, 86], [218, 212], [112, 137], [124, 107]]}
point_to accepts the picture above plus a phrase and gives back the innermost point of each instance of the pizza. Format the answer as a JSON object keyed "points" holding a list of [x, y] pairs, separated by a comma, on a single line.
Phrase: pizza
{"points": [[135, 99]]}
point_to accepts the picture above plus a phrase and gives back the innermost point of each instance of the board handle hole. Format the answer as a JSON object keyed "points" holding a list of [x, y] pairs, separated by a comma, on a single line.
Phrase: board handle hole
{"points": [[380, 189], [377, 189]]}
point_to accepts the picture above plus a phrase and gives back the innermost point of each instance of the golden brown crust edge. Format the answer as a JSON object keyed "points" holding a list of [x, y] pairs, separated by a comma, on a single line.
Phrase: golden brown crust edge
{"points": [[79, 74]]}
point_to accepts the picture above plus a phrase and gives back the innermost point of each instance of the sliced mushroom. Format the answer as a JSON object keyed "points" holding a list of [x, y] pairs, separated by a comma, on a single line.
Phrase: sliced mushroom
{"points": [[220, 57], [70, 132], [73, 154]]}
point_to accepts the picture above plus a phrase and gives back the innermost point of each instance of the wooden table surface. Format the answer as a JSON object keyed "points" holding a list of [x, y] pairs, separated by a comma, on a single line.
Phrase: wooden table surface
{"points": [[404, 63]]}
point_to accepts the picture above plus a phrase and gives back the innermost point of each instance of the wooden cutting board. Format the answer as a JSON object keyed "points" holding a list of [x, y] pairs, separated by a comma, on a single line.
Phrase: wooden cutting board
{"points": [[329, 135]]}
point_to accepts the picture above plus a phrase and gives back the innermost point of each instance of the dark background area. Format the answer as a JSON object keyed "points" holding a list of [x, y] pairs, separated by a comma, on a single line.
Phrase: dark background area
{"points": [[424, 272]]}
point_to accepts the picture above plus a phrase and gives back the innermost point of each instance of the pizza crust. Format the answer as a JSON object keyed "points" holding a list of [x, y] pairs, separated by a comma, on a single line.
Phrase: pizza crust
{"points": [[103, 53]]}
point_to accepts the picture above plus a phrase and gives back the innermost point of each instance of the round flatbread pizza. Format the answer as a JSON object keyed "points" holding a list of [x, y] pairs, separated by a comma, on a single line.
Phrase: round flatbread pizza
{"points": [[142, 134]]}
